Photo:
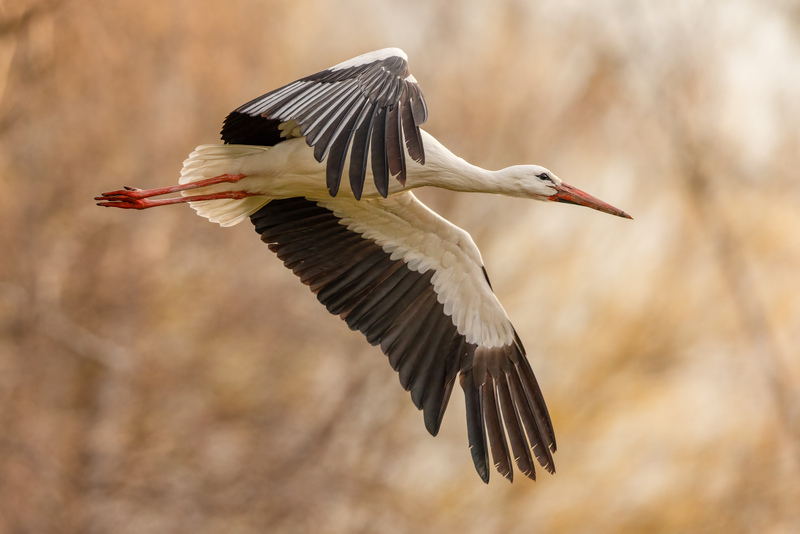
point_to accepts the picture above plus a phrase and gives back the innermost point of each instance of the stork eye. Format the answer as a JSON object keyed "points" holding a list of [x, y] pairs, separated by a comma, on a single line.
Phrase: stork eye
{"points": [[544, 177]]}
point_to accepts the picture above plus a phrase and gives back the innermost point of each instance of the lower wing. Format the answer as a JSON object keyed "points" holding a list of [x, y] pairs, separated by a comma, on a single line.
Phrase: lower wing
{"points": [[414, 284]]}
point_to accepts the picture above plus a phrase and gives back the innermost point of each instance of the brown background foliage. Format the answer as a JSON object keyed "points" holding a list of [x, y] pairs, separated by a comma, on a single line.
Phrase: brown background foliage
{"points": [[161, 374]]}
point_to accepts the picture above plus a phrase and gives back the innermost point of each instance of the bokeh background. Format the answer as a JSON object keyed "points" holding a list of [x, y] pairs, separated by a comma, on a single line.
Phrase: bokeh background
{"points": [[160, 374]]}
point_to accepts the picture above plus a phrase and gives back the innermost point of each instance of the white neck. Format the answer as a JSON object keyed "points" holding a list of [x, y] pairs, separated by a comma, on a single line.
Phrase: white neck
{"points": [[446, 170]]}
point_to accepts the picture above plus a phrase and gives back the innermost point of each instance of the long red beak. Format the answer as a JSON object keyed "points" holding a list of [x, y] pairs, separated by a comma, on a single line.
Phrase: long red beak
{"points": [[572, 195]]}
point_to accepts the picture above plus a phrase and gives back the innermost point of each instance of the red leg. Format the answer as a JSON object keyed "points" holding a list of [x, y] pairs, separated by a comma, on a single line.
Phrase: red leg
{"points": [[136, 199], [135, 192], [132, 203]]}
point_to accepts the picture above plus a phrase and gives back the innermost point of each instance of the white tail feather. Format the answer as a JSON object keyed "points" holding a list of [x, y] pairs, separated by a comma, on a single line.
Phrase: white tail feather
{"points": [[208, 161]]}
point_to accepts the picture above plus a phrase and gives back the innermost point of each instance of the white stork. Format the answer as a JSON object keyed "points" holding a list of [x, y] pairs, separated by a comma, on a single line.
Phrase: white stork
{"points": [[408, 279]]}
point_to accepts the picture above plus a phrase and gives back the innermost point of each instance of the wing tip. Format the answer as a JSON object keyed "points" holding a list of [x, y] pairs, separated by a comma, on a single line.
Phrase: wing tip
{"points": [[504, 405]]}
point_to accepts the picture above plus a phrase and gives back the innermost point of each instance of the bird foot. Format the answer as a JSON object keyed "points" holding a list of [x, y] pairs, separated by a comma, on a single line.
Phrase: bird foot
{"points": [[131, 198], [118, 199], [128, 191]]}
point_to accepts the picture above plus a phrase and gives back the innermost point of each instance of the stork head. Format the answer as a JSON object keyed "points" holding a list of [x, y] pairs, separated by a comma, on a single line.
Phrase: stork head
{"points": [[542, 184]]}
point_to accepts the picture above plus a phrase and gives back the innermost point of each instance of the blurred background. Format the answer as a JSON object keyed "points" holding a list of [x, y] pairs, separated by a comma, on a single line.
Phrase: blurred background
{"points": [[160, 374]]}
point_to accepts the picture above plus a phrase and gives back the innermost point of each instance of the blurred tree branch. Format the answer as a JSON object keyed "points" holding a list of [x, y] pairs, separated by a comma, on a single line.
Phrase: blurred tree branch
{"points": [[700, 185], [11, 29], [701, 162]]}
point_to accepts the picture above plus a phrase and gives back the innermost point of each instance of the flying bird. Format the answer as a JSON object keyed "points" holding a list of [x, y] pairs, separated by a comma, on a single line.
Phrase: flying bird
{"points": [[408, 279]]}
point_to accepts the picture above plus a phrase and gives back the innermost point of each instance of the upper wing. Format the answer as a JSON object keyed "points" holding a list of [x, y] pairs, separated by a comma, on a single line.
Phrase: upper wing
{"points": [[414, 283], [369, 101]]}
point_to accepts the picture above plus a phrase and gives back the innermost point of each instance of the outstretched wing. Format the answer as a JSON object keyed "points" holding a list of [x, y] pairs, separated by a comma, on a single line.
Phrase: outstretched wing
{"points": [[414, 284], [371, 102]]}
